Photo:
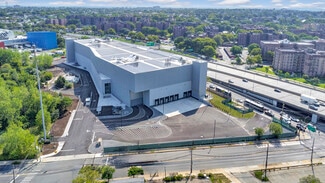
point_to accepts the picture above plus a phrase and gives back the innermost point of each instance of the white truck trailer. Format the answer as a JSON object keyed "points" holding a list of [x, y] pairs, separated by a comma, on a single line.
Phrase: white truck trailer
{"points": [[309, 100]]}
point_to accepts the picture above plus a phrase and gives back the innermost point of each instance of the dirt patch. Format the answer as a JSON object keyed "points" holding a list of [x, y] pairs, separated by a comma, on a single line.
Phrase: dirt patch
{"points": [[49, 148], [59, 126]]}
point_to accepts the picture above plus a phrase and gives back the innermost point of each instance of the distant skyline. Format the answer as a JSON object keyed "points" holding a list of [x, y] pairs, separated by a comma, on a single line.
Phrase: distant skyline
{"points": [[217, 4]]}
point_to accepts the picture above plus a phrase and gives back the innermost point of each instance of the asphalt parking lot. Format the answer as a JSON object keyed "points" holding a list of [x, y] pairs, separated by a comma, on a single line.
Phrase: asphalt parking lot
{"points": [[203, 123]]}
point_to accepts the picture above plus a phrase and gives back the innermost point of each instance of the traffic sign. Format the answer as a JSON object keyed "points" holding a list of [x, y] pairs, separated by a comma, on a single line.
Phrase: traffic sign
{"points": [[311, 127]]}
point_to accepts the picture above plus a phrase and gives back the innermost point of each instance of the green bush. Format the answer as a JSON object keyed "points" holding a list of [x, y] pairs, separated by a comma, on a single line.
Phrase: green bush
{"points": [[201, 176]]}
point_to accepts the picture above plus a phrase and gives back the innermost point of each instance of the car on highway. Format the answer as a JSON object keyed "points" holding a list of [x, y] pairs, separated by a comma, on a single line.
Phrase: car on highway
{"points": [[294, 119], [230, 81], [277, 90], [212, 87], [269, 112], [285, 119], [313, 107], [245, 80], [240, 100], [301, 127]]}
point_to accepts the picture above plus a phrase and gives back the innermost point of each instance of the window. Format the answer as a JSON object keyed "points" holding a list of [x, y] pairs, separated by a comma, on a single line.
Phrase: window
{"points": [[108, 88]]}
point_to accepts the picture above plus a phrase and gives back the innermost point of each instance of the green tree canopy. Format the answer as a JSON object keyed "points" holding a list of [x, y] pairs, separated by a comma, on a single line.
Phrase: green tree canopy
{"points": [[236, 50], [17, 143], [309, 179], [252, 46], [276, 129], [255, 51], [259, 131], [208, 51], [107, 172], [134, 170], [218, 39]]}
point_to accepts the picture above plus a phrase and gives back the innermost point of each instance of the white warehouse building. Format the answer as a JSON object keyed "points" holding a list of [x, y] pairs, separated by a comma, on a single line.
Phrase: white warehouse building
{"points": [[136, 74]]}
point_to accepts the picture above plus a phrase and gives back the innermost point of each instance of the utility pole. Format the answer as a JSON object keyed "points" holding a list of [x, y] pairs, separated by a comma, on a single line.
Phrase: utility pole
{"points": [[13, 174], [214, 130], [165, 171], [311, 156], [40, 93], [191, 161], [267, 157]]}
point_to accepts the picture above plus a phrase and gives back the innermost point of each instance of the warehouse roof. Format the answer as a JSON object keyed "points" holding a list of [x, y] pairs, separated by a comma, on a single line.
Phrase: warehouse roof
{"points": [[133, 58]]}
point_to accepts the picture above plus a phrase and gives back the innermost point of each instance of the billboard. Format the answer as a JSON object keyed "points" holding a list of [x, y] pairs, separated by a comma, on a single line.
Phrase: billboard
{"points": [[6, 34]]}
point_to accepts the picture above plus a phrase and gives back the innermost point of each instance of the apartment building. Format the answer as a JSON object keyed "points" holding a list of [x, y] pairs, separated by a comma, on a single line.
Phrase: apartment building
{"points": [[314, 64], [289, 60]]}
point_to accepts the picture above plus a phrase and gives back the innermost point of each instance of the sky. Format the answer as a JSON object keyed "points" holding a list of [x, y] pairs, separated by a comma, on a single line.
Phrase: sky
{"points": [[218, 4]]}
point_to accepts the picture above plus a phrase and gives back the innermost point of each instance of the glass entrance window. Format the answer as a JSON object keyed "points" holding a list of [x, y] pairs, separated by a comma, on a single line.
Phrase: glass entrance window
{"points": [[108, 88]]}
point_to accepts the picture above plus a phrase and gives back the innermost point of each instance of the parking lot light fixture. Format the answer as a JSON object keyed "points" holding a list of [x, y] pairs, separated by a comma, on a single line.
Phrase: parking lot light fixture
{"points": [[40, 93]]}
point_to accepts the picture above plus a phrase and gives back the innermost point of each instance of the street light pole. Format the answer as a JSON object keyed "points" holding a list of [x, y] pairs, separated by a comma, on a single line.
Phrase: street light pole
{"points": [[40, 93]]}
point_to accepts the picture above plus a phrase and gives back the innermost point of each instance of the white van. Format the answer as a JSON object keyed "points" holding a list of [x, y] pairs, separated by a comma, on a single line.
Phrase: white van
{"points": [[87, 102]]}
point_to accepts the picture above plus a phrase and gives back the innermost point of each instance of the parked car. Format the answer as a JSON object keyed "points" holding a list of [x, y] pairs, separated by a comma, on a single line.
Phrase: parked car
{"points": [[211, 86]]}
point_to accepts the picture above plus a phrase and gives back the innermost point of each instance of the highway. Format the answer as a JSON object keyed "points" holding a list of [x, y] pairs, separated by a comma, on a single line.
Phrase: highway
{"points": [[257, 83]]}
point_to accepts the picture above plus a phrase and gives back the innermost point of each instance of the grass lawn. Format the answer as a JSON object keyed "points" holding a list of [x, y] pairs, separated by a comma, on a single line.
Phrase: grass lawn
{"points": [[216, 101], [219, 178], [298, 79], [264, 69]]}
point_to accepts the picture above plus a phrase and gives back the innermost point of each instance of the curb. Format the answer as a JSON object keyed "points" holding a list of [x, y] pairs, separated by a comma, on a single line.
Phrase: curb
{"points": [[58, 149], [67, 128]]}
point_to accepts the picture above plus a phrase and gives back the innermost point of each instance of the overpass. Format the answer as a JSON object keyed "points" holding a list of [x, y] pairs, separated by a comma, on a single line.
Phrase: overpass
{"points": [[262, 86]]}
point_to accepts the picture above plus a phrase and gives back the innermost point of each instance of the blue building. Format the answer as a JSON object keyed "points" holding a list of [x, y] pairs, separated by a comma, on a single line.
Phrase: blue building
{"points": [[43, 39]]}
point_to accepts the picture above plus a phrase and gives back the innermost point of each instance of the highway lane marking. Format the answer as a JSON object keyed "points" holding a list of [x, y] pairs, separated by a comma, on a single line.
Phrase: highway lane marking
{"points": [[282, 144]]}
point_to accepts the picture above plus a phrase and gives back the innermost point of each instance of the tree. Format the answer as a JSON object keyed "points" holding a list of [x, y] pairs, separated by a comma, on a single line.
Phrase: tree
{"points": [[276, 129], [134, 170], [107, 172], [140, 36], [111, 31], [178, 40], [236, 50], [208, 51], [60, 82], [314, 81], [238, 60], [309, 179], [218, 39], [286, 74], [87, 174], [47, 120], [255, 51], [18, 143], [252, 46], [259, 132], [250, 60], [267, 69]]}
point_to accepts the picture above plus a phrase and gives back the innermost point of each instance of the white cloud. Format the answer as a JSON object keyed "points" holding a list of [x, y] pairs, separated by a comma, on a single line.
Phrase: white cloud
{"points": [[276, 1], [309, 5], [233, 2], [107, 1], [67, 3], [162, 1], [278, 5]]}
